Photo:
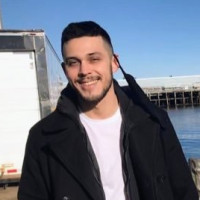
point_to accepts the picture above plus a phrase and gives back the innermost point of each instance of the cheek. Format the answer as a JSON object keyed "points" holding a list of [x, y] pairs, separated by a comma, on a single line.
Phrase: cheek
{"points": [[71, 74]]}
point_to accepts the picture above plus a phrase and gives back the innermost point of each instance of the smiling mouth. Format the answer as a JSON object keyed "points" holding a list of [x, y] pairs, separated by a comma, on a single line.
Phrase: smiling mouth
{"points": [[88, 81]]}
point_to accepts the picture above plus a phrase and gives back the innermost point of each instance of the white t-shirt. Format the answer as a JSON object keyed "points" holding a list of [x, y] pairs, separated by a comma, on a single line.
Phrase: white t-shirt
{"points": [[104, 136]]}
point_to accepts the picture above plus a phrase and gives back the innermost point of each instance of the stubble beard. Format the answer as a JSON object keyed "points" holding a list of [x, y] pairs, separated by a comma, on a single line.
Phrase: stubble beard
{"points": [[91, 101]]}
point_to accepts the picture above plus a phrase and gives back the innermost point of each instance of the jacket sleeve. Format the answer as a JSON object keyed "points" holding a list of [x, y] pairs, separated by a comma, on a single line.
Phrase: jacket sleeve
{"points": [[32, 184], [179, 174]]}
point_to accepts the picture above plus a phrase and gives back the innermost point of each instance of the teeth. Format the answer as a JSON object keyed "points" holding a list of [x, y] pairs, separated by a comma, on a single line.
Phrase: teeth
{"points": [[90, 83]]}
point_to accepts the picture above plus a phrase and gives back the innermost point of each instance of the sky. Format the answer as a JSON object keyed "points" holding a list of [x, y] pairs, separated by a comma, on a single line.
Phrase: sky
{"points": [[153, 38]]}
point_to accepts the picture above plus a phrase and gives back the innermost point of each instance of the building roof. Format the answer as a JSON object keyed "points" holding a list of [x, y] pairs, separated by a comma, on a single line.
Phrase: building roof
{"points": [[166, 82]]}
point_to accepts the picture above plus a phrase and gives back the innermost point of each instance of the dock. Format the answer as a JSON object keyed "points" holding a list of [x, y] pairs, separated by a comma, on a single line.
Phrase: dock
{"points": [[173, 97], [170, 92]]}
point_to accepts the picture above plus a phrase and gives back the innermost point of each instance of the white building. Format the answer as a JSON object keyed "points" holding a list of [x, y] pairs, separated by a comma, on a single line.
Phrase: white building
{"points": [[186, 82]]}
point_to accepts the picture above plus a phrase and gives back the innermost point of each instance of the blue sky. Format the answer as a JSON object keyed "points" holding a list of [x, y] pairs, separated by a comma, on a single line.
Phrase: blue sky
{"points": [[154, 38]]}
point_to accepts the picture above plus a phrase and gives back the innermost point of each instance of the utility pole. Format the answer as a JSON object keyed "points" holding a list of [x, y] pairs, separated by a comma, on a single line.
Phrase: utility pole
{"points": [[1, 23]]}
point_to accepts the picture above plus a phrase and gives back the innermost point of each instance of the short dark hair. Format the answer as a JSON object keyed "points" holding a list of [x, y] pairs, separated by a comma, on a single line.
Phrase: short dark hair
{"points": [[85, 28]]}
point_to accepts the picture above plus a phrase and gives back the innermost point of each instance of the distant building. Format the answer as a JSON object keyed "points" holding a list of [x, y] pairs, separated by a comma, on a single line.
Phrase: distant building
{"points": [[167, 82]]}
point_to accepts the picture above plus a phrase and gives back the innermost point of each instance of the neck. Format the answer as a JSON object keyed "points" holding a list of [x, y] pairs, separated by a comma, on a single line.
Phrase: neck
{"points": [[104, 108]]}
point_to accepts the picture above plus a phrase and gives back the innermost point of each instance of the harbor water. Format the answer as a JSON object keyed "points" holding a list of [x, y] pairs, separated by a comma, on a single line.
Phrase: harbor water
{"points": [[186, 122]]}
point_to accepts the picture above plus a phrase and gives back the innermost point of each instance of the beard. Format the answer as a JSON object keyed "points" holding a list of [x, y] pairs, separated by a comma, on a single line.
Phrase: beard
{"points": [[94, 99]]}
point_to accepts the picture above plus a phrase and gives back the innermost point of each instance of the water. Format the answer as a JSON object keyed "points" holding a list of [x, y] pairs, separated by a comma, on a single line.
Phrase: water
{"points": [[186, 122]]}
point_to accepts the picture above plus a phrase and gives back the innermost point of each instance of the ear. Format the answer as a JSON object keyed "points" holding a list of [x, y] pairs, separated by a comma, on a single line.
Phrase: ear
{"points": [[115, 64]]}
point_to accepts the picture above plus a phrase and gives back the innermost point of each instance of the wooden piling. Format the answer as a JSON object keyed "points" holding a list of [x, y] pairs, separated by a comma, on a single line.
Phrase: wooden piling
{"points": [[173, 97]]}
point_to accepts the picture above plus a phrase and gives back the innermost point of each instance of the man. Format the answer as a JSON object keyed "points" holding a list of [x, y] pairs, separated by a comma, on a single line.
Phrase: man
{"points": [[102, 142]]}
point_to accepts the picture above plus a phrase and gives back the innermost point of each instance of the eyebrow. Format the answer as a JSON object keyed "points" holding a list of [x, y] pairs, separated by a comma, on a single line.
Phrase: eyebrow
{"points": [[89, 54], [94, 53], [71, 58]]}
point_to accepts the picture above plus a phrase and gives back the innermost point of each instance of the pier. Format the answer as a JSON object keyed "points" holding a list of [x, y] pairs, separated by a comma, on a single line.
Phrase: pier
{"points": [[173, 97], [171, 92]]}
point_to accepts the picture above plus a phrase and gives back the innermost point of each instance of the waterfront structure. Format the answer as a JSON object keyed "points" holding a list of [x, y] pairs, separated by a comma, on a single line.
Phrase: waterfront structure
{"points": [[171, 91]]}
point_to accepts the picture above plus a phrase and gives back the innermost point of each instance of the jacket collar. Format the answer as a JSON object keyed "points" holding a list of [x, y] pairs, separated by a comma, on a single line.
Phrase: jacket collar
{"points": [[131, 112], [140, 98], [66, 112]]}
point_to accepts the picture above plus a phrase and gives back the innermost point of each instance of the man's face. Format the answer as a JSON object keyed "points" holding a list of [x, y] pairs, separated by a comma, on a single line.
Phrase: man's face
{"points": [[89, 65]]}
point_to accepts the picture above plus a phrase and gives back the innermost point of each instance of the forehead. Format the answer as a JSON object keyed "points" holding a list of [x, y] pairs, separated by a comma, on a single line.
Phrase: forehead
{"points": [[85, 45]]}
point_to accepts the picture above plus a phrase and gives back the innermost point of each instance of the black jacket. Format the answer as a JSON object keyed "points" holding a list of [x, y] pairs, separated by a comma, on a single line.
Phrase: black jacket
{"points": [[60, 164]]}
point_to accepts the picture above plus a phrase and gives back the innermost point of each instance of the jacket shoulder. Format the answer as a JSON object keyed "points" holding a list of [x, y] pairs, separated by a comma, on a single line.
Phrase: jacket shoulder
{"points": [[43, 122]]}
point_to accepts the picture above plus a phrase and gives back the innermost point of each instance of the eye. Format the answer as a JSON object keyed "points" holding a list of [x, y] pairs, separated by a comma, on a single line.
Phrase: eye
{"points": [[94, 59], [72, 62]]}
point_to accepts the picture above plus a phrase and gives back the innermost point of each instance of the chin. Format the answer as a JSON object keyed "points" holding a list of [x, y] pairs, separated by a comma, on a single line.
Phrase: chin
{"points": [[91, 98]]}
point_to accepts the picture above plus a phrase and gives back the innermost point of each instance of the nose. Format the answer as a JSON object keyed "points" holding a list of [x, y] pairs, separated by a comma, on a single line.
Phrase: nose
{"points": [[84, 68]]}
